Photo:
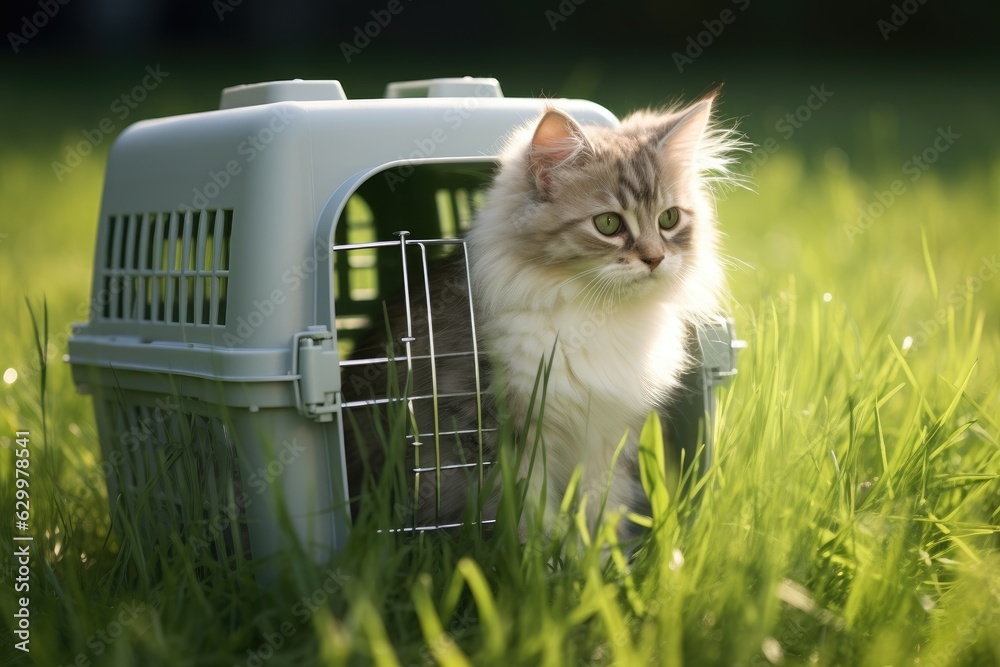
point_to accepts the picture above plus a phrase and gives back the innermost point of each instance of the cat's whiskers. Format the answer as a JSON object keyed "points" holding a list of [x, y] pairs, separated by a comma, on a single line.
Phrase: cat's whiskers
{"points": [[597, 296], [571, 279], [589, 292], [619, 293], [731, 262], [622, 293], [606, 293]]}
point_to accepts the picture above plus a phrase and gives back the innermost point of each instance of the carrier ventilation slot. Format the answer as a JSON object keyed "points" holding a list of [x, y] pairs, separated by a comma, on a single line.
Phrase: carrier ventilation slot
{"points": [[168, 268], [177, 468]]}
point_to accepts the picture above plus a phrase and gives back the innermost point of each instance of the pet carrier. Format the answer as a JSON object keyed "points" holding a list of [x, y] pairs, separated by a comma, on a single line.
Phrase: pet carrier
{"points": [[240, 254]]}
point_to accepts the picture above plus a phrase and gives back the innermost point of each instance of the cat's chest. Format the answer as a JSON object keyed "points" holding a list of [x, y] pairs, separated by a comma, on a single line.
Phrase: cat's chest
{"points": [[612, 359]]}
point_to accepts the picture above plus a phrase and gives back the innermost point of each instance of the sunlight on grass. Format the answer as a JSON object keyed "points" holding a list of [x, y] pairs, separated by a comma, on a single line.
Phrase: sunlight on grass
{"points": [[851, 517]]}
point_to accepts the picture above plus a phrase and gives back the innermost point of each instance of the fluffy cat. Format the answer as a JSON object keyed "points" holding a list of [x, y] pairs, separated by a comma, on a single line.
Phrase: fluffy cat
{"points": [[595, 251]]}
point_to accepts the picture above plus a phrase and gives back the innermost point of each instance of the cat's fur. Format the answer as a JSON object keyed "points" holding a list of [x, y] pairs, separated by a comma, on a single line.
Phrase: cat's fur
{"points": [[610, 313]]}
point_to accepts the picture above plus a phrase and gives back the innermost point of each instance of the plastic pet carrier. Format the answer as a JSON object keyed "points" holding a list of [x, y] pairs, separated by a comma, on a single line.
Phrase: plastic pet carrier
{"points": [[241, 253]]}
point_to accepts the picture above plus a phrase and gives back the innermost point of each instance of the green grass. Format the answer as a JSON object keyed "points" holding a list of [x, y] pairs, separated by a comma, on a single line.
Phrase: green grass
{"points": [[851, 518]]}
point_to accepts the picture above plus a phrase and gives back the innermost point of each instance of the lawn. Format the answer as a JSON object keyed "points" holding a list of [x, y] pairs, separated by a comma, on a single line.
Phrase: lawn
{"points": [[851, 517]]}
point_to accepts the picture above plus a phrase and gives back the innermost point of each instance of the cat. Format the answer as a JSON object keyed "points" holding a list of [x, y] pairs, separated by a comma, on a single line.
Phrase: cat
{"points": [[594, 252]]}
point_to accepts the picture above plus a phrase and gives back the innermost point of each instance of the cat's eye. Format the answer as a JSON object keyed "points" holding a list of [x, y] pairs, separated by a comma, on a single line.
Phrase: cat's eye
{"points": [[608, 223], [670, 218]]}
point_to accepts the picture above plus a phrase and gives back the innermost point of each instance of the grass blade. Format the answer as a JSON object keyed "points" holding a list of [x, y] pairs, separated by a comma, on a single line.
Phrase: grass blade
{"points": [[928, 263]]}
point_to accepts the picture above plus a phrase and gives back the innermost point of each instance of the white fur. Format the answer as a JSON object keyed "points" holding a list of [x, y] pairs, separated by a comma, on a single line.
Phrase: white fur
{"points": [[615, 355]]}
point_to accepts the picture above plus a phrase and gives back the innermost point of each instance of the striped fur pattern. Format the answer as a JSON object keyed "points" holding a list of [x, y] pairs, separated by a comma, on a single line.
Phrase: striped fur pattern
{"points": [[611, 310]]}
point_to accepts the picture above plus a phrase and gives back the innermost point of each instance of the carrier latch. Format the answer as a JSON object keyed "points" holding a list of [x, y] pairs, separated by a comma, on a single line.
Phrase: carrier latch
{"points": [[316, 365], [719, 346]]}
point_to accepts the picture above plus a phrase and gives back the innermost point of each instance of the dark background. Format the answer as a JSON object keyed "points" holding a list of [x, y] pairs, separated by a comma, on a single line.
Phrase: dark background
{"points": [[938, 68], [599, 28]]}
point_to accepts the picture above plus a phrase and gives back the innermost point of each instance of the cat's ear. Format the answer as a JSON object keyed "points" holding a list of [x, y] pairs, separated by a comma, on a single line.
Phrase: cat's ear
{"points": [[558, 139], [680, 143]]}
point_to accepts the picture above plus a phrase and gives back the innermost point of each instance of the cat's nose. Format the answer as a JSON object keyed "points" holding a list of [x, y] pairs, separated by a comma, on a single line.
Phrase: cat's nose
{"points": [[652, 262]]}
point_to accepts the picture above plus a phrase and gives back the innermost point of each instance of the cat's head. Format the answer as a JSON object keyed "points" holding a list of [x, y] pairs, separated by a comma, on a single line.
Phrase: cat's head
{"points": [[626, 209]]}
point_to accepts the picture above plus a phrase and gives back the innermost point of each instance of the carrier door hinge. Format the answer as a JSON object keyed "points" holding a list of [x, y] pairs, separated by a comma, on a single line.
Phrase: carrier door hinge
{"points": [[316, 367], [719, 346]]}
